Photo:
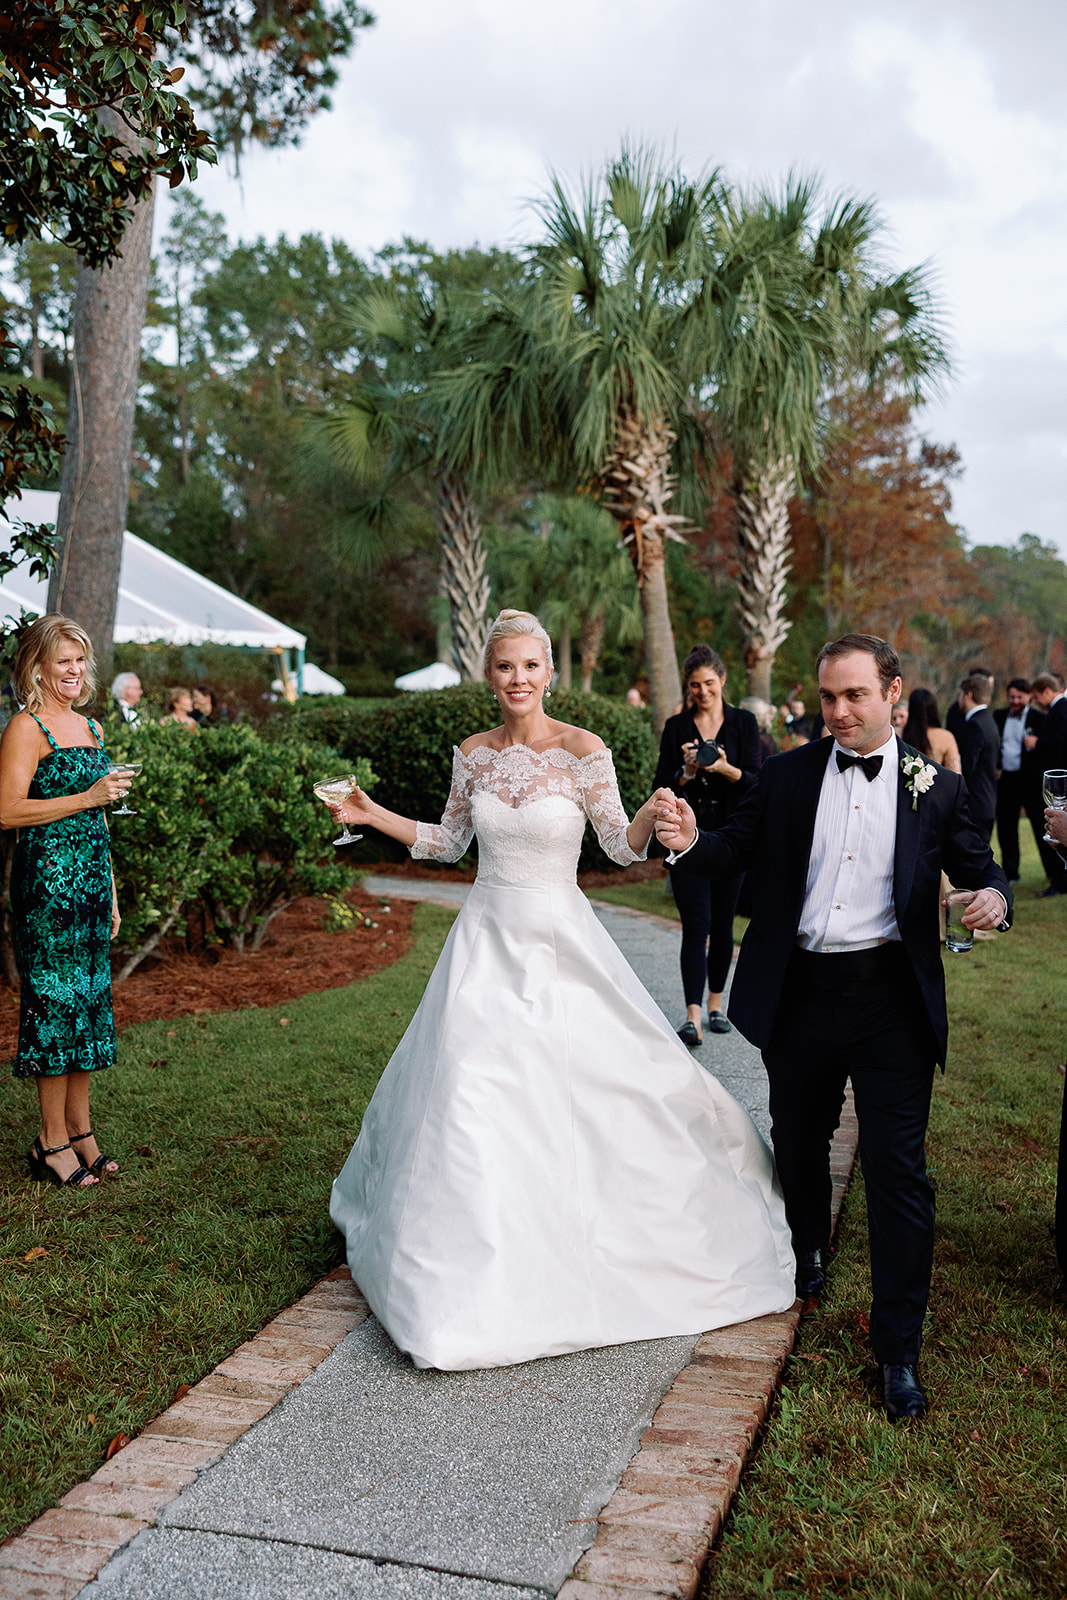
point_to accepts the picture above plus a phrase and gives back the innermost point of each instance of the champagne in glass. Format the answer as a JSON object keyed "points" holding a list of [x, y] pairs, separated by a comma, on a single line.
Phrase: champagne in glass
{"points": [[1054, 785], [124, 769], [332, 791]]}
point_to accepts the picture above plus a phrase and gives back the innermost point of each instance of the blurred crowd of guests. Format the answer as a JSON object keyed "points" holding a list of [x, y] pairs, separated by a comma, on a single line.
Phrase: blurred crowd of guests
{"points": [[190, 708]]}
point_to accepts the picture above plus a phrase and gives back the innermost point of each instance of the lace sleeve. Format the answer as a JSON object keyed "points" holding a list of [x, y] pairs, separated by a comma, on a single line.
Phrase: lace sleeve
{"points": [[448, 839], [604, 808]]}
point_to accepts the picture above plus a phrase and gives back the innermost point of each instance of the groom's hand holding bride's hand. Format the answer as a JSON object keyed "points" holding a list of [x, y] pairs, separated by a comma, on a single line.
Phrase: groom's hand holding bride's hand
{"points": [[676, 826]]}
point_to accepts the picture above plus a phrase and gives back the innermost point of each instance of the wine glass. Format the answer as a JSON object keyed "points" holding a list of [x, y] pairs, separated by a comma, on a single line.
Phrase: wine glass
{"points": [[333, 791], [1054, 785], [124, 769]]}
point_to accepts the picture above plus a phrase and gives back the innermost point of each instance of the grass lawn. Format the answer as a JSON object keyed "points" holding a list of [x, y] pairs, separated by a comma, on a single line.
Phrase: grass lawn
{"points": [[974, 1501], [230, 1129], [654, 896]]}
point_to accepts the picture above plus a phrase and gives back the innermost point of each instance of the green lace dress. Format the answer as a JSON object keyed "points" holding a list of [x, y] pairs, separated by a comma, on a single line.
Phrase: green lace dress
{"points": [[61, 899]]}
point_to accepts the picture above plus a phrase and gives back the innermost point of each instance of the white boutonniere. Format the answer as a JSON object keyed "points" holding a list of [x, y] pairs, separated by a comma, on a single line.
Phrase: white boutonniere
{"points": [[919, 776]]}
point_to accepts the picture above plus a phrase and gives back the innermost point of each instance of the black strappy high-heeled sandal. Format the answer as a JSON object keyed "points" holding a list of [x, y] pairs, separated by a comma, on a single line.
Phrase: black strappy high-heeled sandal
{"points": [[41, 1172], [99, 1167]]}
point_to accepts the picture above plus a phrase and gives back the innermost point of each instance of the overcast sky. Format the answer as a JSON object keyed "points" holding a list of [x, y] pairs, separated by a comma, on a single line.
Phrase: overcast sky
{"points": [[952, 114]]}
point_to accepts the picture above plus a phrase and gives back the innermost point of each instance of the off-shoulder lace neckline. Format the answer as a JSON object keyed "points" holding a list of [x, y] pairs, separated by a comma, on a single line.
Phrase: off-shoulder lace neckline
{"points": [[553, 750]]}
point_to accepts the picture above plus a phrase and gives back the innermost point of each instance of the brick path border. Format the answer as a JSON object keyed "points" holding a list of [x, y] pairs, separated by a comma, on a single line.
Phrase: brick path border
{"points": [[56, 1556]]}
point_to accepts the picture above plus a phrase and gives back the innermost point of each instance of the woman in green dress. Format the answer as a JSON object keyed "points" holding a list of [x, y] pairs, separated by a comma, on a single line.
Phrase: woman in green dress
{"points": [[54, 782]]}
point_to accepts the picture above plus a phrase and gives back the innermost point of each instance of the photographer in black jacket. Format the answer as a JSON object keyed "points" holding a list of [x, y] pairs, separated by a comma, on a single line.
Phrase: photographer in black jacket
{"points": [[710, 753]]}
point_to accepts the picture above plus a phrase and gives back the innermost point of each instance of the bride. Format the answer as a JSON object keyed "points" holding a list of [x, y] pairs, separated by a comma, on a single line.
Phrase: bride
{"points": [[543, 1167]]}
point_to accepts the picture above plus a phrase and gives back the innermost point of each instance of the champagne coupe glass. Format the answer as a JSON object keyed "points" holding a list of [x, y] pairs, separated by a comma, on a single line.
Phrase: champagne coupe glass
{"points": [[1054, 785], [332, 791], [124, 769]]}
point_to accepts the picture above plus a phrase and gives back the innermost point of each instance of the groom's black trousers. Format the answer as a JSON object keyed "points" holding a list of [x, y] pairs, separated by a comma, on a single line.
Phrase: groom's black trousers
{"points": [[859, 1015]]}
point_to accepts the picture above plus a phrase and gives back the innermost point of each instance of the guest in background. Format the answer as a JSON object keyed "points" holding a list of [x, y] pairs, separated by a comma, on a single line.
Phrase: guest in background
{"points": [[203, 704], [797, 721], [713, 789], [178, 707], [954, 716], [126, 692], [1019, 784], [923, 731], [979, 744], [633, 696], [763, 712], [1056, 827], [1050, 750], [898, 720]]}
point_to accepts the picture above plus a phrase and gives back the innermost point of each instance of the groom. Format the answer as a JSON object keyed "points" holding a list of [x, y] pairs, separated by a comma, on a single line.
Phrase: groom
{"points": [[840, 972]]}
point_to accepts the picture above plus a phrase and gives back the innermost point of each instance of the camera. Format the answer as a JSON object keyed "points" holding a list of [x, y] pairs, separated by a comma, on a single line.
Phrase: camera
{"points": [[709, 752]]}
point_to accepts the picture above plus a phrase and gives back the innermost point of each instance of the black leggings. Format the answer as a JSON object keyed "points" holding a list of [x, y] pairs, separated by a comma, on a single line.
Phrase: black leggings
{"points": [[706, 906]]}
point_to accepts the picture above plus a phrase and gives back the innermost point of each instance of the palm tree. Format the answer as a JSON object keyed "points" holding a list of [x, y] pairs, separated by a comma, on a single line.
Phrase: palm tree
{"points": [[394, 433], [797, 304], [583, 373]]}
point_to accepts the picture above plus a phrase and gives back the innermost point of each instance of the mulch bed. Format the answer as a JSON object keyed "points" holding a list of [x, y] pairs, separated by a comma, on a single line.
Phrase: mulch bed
{"points": [[299, 956]]}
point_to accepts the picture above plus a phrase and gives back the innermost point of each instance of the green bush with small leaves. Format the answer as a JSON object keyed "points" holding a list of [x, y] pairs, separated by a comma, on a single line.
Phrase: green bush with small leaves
{"points": [[409, 742], [225, 818]]}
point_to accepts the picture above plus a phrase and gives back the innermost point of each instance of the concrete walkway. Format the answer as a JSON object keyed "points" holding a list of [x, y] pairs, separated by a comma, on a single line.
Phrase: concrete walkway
{"points": [[317, 1462]]}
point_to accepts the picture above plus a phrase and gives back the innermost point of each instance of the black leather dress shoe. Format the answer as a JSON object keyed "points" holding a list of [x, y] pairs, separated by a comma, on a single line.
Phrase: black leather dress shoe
{"points": [[902, 1393], [689, 1035], [1050, 893], [811, 1273]]}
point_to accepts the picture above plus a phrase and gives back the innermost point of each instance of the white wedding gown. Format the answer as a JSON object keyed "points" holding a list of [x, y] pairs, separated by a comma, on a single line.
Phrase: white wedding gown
{"points": [[543, 1167]]}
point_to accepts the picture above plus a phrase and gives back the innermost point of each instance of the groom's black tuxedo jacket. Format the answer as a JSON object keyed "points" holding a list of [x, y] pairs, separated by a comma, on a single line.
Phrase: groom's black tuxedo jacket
{"points": [[770, 836]]}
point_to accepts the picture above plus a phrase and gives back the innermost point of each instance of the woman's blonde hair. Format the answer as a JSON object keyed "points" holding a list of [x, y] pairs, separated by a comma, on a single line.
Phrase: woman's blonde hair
{"points": [[517, 625], [40, 645], [171, 702]]}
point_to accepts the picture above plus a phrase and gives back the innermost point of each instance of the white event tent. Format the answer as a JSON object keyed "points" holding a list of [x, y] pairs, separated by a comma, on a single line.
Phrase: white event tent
{"points": [[160, 600], [438, 675]]}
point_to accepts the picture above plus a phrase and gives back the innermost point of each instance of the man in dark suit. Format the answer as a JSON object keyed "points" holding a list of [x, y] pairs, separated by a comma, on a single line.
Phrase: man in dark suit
{"points": [[954, 714], [840, 972], [1019, 785], [1050, 752], [979, 744]]}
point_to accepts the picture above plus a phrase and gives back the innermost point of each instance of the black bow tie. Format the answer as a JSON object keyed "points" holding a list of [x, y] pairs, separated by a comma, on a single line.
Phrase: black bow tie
{"points": [[872, 765]]}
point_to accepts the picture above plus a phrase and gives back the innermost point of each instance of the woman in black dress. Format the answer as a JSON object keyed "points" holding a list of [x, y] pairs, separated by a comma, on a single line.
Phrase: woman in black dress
{"points": [[54, 782], [713, 789]]}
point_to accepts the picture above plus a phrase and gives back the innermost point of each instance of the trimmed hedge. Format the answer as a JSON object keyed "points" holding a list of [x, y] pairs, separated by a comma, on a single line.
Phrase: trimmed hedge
{"points": [[409, 743]]}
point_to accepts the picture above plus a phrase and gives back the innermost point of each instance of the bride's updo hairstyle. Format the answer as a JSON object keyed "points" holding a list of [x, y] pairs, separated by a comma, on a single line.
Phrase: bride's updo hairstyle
{"points": [[517, 625]]}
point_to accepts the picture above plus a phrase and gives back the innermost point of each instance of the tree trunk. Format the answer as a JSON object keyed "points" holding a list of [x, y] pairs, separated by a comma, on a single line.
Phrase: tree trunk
{"points": [[660, 657], [109, 316], [565, 648], [589, 646], [463, 576], [637, 488], [36, 353], [761, 509]]}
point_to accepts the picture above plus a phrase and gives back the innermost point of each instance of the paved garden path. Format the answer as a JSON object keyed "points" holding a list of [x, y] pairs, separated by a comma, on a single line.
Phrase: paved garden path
{"points": [[317, 1462]]}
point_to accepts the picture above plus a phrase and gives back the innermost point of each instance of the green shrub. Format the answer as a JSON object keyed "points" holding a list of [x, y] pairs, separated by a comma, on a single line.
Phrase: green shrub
{"points": [[409, 742], [223, 817]]}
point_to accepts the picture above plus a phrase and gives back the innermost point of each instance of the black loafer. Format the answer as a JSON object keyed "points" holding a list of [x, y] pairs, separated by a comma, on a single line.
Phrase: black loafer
{"points": [[902, 1393], [717, 1023], [811, 1273], [689, 1035]]}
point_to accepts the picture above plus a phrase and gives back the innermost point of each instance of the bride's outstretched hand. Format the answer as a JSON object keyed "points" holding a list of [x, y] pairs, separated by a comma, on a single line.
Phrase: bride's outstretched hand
{"points": [[356, 811], [676, 826]]}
